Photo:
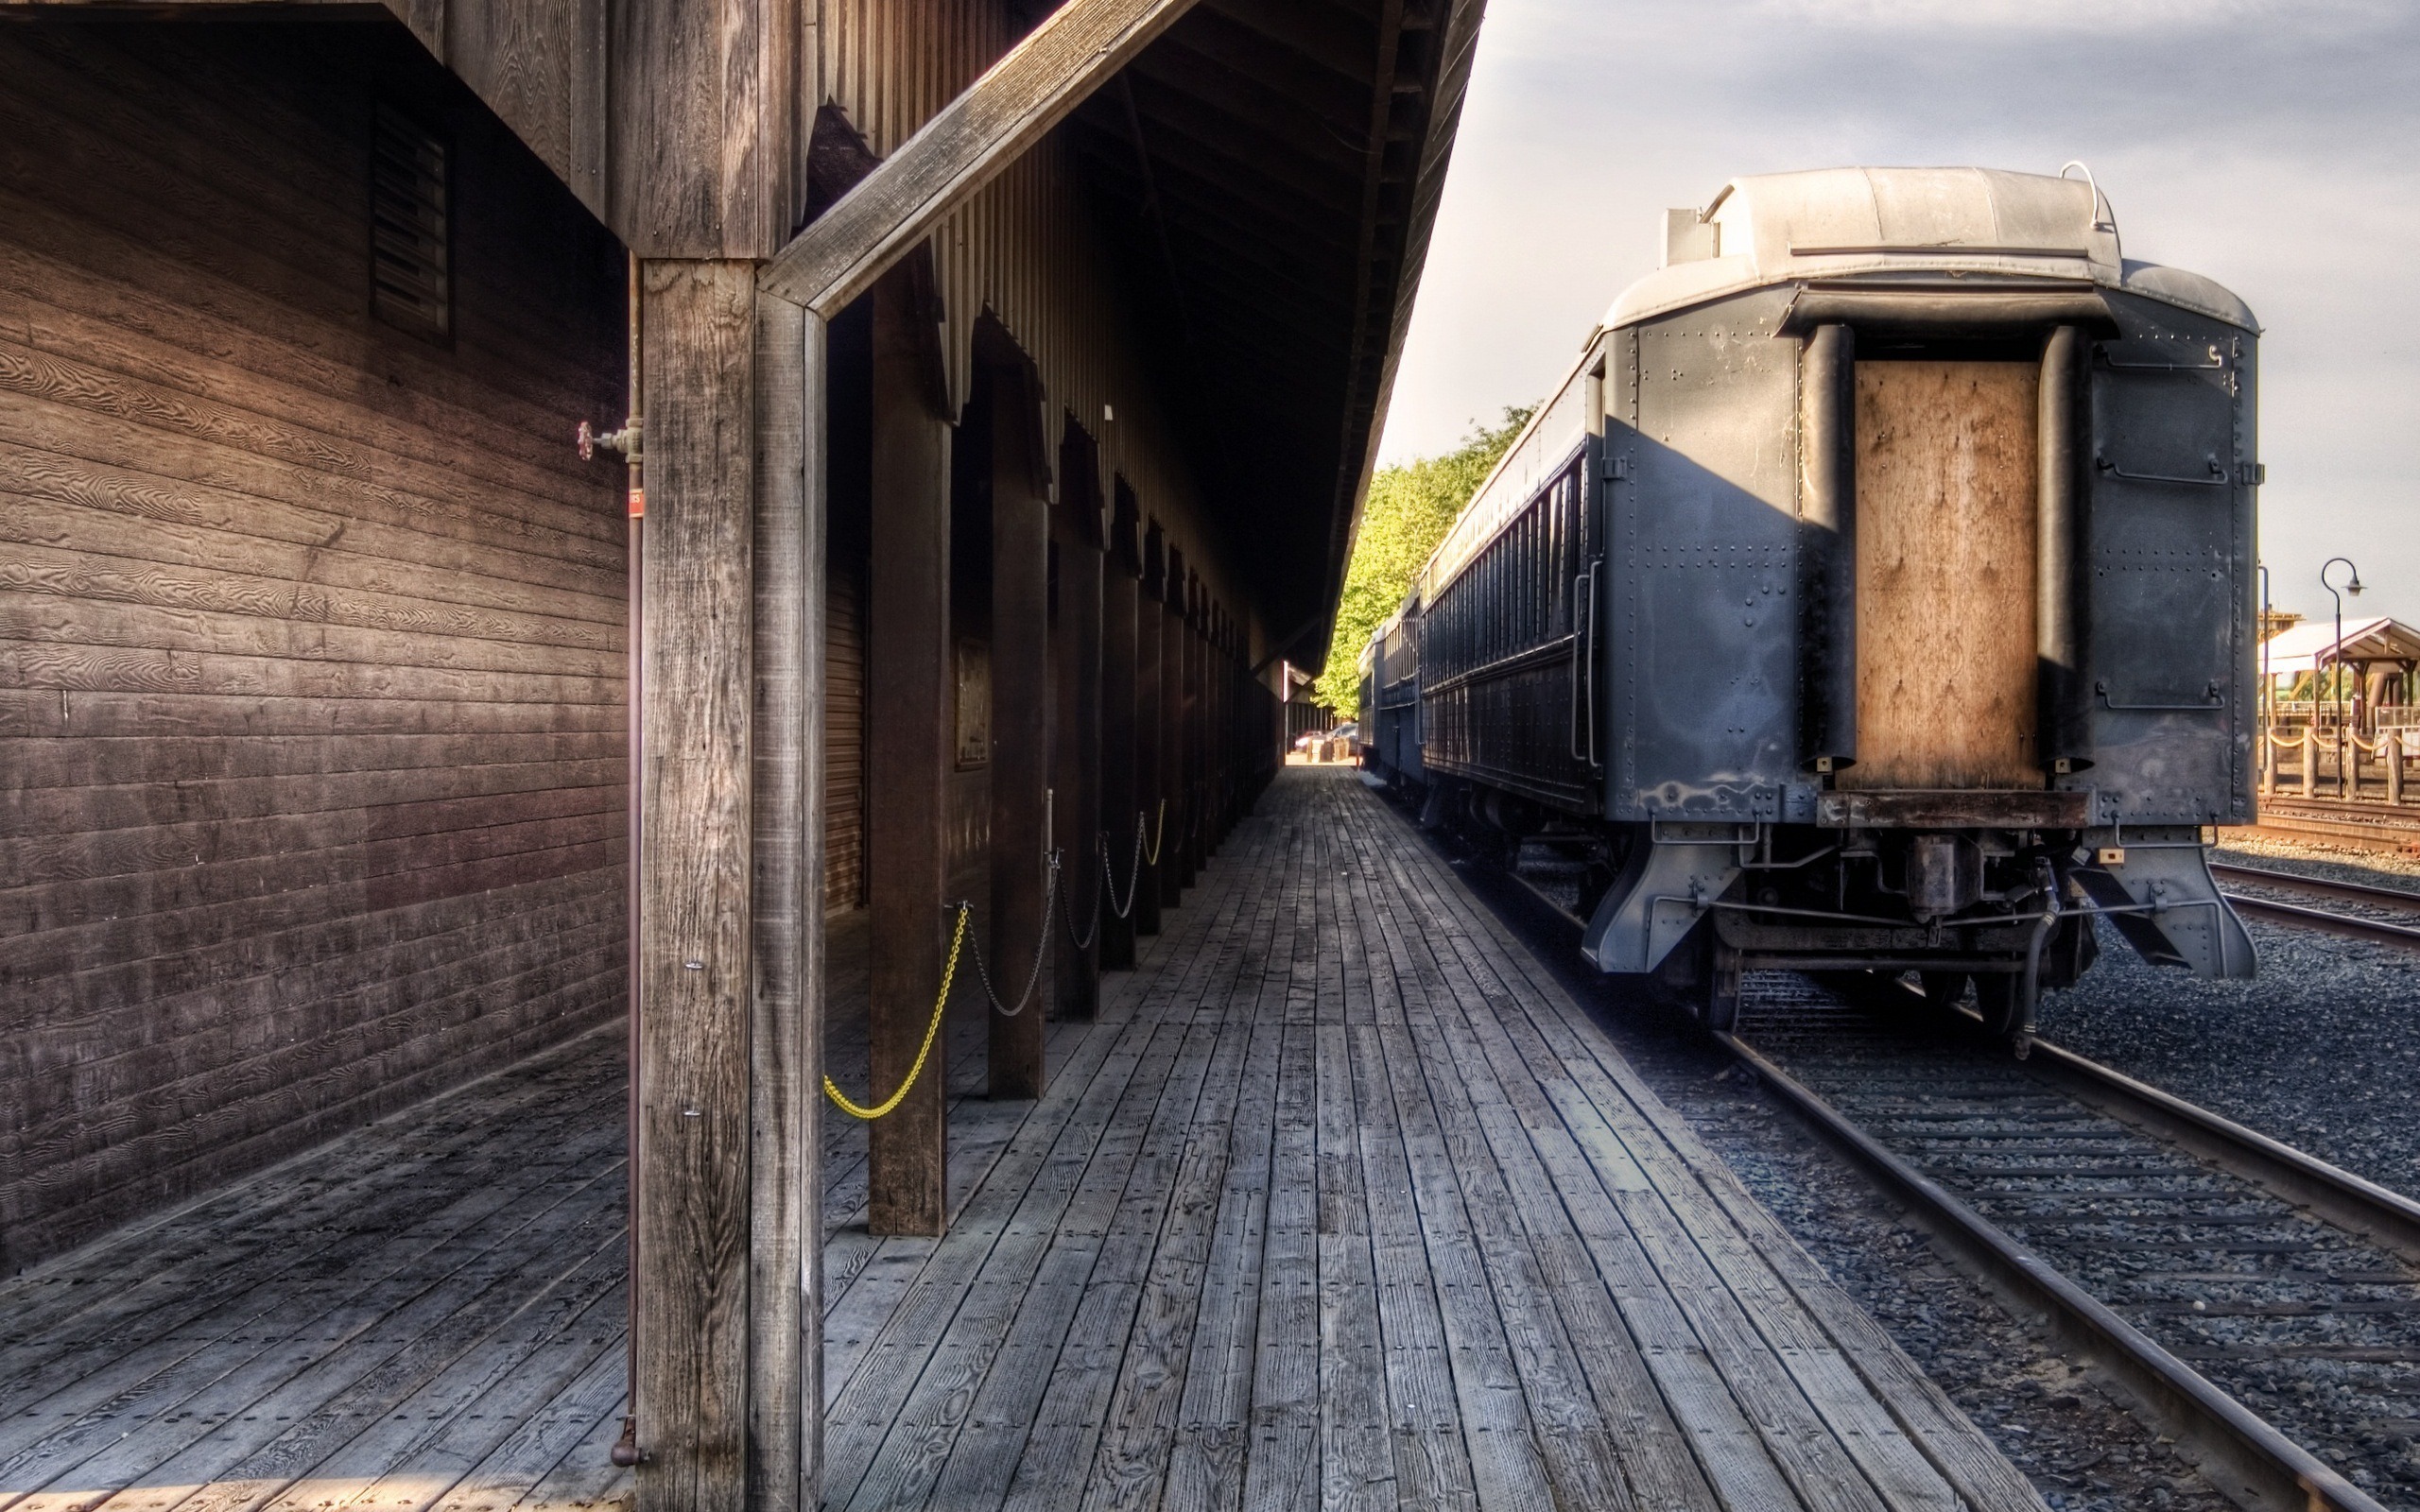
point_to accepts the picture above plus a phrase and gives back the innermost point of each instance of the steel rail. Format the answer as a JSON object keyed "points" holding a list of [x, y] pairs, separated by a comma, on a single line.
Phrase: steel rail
{"points": [[2352, 926], [2234, 1447], [2331, 1193], [2356, 892], [2237, 1450]]}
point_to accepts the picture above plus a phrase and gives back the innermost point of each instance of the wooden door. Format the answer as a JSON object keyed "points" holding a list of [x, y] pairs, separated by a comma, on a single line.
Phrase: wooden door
{"points": [[1946, 508]]}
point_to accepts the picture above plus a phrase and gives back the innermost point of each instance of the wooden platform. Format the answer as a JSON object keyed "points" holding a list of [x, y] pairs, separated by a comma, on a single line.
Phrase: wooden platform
{"points": [[1342, 1204]]}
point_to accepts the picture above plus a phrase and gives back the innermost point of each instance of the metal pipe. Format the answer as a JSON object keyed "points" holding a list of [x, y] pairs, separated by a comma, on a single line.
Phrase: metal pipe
{"points": [[626, 1451], [1963, 311], [1829, 514], [2062, 578]]}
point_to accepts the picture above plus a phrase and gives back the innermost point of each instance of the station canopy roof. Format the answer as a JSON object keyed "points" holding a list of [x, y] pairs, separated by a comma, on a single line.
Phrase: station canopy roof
{"points": [[2312, 644], [1268, 171]]}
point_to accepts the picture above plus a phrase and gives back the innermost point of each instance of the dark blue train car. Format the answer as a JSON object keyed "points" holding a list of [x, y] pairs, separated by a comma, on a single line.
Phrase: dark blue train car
{"points": [[1873, 594]]}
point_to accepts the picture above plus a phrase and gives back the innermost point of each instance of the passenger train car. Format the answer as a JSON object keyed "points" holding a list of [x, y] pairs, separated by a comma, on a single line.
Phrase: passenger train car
{"points": [[1874, 594]]}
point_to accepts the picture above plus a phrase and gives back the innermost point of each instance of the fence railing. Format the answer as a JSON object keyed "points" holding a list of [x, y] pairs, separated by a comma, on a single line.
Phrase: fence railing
{"points": [[2293, 713], [2311, 762]]}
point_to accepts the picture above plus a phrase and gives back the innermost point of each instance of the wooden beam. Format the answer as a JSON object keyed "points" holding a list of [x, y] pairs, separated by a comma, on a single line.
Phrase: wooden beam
{"points": [[911, 713], [1079, 46], [705, 129], [696, 985], [1020, 733], [786, 1020]]}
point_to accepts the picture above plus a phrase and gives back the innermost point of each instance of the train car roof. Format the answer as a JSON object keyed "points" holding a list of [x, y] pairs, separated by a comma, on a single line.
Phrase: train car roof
{"points": [[1777, 228], [1828, 223]]}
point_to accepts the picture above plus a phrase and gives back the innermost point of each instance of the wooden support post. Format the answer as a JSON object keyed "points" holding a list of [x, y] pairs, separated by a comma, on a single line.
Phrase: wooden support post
{"points": [[1189, 766], [1076, 741], [1020, 736], [1221, 714], [786, 1020], [1198, 743], [2310, 759], [1151, 793], [695, 985], [2391, 752], [1171, 710], [1121, 799], [911, 708]]}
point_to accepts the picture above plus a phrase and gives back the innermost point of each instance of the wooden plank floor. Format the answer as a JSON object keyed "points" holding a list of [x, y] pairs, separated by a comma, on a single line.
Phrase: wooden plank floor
{"points": [[1344, 1204], [427, 1313], [1341, 1204]]}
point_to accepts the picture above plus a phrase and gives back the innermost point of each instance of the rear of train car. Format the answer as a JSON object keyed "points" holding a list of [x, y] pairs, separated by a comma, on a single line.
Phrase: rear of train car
{"points": [[1875, 594]]}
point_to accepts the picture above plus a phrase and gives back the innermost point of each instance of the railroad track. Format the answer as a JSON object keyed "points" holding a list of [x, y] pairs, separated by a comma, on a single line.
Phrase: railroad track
{"points": [[2262, 1303], [2367, 824], [2365, 926]]}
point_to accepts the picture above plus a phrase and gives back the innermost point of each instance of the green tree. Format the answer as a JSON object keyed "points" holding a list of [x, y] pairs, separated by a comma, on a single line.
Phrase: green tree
{"points": [[1410, 509]]}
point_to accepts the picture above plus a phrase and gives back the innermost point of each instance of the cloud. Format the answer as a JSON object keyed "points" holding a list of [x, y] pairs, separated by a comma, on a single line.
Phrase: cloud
{"points": [[2267, 143], [2088, 18]]}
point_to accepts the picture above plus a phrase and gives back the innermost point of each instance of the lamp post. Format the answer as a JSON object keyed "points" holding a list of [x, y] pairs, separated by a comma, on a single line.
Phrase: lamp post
{"points": [[2336, 661], [2265, 712]]}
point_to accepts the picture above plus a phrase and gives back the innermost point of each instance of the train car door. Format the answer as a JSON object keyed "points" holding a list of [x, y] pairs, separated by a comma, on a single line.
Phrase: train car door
{"points": [[1946, 500]]}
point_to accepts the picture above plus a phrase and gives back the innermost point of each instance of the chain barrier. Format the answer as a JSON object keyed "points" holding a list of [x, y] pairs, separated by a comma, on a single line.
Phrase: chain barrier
{"points": [[1033, 978], [932, 1032], [1159, 833], [1067, 905], [1134, 871], [1053, 902]]}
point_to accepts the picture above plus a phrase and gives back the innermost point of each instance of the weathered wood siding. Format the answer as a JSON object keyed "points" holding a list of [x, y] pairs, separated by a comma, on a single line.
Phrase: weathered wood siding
{"points": [[311, 631], [1945, 502]]}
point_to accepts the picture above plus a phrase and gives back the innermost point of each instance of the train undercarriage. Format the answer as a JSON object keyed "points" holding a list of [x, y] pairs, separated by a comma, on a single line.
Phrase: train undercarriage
{"points": [[2003, 911]]}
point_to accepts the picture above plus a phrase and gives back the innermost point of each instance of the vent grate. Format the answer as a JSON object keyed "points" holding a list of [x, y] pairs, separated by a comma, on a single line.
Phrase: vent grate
{"points": [[411, 282]]}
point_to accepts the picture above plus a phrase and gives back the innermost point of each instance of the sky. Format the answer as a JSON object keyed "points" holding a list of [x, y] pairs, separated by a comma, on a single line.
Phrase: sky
{"points": [[2270, 145]]}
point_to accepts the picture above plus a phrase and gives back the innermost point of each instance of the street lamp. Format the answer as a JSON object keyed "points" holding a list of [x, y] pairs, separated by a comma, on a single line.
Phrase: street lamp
{"points": [[2336, 662], [2264, 711]]}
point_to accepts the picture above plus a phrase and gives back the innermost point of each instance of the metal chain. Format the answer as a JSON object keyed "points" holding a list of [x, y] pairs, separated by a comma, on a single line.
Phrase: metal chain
{"points": [[1068, 910], [1159, 832], [1133, 872], [1033, 978], [932, 1031]]}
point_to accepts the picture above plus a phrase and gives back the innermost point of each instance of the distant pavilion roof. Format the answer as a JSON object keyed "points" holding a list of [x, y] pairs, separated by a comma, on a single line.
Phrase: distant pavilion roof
{"points": [[2311, 645]]}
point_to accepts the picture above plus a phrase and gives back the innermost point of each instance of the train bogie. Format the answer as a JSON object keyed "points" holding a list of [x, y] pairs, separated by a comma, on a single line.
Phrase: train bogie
{"points": [[1873, 594]]}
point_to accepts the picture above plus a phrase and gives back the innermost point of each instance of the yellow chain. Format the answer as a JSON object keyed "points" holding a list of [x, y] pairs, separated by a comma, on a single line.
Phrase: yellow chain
{"points": [[1159, 832], [932, 1032]]}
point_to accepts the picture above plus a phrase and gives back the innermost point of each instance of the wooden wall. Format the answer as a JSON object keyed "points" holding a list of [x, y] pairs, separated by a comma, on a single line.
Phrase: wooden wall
{"points": [[311, 631]]}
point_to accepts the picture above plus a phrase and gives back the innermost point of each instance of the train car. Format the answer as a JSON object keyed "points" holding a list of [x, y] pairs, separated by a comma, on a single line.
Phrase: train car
{"points": [[1390, 697], [1873, 594]]}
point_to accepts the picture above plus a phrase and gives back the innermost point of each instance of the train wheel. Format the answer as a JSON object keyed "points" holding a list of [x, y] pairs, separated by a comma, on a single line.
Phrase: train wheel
{"points": [[1943, 989], [2000, 995], [1721, 1004]]}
